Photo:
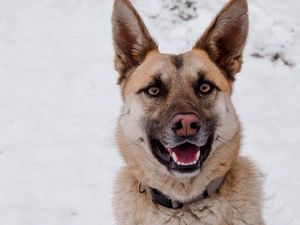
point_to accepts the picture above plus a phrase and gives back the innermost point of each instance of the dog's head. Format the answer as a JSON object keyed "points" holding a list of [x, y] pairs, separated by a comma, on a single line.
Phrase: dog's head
{"points": [[177, 108]]}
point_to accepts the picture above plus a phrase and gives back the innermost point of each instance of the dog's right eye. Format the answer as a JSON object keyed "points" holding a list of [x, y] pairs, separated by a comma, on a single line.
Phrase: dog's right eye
{"points": [[153, 91]]}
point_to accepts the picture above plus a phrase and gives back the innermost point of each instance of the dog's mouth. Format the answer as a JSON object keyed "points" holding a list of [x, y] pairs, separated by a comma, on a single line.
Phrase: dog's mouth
{"points": [[185, 155], [184, 158]]}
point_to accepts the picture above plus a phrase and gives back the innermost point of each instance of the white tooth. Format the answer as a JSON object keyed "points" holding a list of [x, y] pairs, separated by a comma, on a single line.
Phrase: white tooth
{"points": [[183, 163], [198, 155], [174, 157]]}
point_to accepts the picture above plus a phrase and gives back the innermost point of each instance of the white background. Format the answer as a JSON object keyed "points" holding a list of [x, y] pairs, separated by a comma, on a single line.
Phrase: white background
{"points": [[59, 104]]}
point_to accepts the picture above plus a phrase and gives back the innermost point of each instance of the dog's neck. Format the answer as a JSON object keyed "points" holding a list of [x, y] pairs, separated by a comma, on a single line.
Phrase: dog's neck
{"points": [[159, 198]]}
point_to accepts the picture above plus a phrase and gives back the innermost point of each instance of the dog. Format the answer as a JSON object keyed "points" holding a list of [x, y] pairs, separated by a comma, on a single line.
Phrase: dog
{"points": [[178, 133]]}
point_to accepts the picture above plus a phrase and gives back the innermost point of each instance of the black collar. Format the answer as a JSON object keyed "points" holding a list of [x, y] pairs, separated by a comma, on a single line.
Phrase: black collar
{"points": [[161, 199]]}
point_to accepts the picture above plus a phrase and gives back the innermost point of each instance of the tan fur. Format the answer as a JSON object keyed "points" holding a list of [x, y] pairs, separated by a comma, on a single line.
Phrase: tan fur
{"points": [[238, 201]]}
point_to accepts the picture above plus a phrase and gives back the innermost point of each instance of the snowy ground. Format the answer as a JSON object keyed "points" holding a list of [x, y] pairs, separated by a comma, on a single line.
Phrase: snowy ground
{"points": [[59, 103]]}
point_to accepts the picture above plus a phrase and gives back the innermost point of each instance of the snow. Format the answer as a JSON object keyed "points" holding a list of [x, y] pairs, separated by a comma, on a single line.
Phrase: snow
{"points": [[59, 104]]}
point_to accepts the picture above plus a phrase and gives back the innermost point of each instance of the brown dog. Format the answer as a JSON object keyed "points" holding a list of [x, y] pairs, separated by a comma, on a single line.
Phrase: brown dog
{"points": [[179, 134]]}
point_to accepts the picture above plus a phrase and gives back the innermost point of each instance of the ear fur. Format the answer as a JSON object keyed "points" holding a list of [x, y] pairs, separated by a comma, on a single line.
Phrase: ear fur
{"points": [[132, 40], [225, 38]]}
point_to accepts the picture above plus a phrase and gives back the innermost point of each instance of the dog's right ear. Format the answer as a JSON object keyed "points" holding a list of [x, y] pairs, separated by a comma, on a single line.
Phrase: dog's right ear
{"points": [[132, 40]]}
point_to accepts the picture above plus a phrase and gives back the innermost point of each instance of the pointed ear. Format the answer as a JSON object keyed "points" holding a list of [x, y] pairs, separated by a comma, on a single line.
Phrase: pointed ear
{"points": [[132, 40], [225, 38]]}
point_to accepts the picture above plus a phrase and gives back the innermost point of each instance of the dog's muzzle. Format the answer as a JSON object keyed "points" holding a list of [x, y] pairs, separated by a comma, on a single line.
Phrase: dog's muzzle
{"points": [[184, 145]]}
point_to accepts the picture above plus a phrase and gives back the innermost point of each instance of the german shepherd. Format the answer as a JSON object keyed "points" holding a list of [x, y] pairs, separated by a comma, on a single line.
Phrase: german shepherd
{"points": [[179, 133]]}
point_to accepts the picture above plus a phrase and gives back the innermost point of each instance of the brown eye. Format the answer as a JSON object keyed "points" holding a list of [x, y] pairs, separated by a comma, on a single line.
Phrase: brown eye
{"points": [[205, 88], [154, 91]]}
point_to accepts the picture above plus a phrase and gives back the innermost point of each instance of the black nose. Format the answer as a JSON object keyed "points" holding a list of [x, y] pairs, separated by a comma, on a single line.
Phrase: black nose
{"points": [[185, 124]]}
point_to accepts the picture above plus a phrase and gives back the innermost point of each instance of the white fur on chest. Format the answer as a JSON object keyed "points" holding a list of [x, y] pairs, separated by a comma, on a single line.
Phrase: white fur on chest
{"points": [[134, 208], [203, 213]]}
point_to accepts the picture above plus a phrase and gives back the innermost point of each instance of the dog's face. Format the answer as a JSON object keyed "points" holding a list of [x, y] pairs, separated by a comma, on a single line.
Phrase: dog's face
{"points": [[177, 108]]}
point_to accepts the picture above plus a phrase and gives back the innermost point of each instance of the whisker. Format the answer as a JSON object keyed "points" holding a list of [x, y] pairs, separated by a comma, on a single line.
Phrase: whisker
{"points": [[192, 103], [220, 138], [138, 141], [115, 119]]}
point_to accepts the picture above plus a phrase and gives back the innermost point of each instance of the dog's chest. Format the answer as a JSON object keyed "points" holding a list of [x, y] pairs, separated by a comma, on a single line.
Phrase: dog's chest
{"points": [[141, 210], [132, 207], [201, 214]]}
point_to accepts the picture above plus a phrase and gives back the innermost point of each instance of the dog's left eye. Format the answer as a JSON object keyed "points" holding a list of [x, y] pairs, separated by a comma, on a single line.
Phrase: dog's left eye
{"points": [[205, 88], [153, 91]]}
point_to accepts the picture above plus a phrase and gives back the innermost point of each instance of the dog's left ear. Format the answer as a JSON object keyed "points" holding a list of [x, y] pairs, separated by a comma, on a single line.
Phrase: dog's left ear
{"points": [[132, 40], [225, 38]]}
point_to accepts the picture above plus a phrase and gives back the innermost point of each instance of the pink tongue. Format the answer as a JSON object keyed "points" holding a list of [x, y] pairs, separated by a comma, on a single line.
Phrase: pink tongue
{"points": [[185, 153]]}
